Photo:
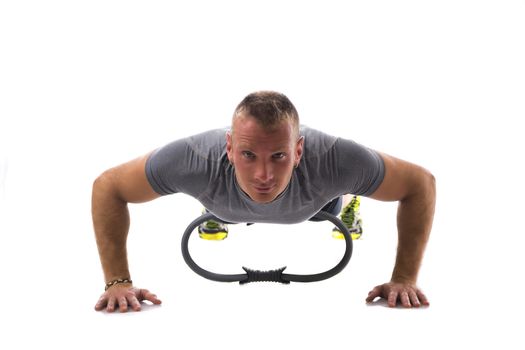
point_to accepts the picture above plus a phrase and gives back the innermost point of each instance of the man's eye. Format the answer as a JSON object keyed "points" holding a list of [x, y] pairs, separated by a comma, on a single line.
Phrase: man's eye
{"points": [[278, 155], [248, 154]]}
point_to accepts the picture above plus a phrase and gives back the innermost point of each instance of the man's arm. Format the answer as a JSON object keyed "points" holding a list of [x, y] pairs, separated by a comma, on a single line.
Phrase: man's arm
{"points": [[414, 187], [112, 191]]}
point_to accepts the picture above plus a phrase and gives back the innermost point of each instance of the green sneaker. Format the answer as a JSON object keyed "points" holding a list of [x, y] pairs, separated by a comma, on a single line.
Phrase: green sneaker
{"points": [[351, 217], [212, 230]]}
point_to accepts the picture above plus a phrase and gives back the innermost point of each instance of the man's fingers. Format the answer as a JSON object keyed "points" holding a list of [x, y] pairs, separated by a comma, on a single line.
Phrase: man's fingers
{"points": [[135, 304], [422, 298], [405, 294], [153, 298], [123, 304], [101, 303], [147, 295], [414, 300], [111, 304], [392, 298], [374, 293], [124, 298], [405, 300]]}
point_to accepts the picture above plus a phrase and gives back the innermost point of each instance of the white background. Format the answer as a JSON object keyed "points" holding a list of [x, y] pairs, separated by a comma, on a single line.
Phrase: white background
{"points": [[88, 85]]}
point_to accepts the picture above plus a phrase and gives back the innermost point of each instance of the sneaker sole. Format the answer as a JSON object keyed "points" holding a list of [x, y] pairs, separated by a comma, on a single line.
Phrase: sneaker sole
{"points": [[339, 235], [219, 236]]}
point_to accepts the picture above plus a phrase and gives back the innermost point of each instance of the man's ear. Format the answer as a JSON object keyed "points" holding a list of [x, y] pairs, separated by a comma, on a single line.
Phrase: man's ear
{"points": [[229, 146], [299, 150]]}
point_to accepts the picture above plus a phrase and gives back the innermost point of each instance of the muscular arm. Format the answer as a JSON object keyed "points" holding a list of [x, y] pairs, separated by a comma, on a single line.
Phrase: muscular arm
{"points": [[414, 188], [112, 191]]}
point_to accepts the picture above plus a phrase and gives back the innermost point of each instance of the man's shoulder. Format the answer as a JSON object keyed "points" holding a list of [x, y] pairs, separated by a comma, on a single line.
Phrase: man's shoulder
{"points": [[209, 145], [316, 141], [211, 135], [208, 142]]}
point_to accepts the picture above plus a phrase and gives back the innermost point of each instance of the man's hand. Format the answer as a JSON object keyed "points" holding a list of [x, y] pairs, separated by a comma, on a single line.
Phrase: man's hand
{"points": [[408, 294], [124, 295]]}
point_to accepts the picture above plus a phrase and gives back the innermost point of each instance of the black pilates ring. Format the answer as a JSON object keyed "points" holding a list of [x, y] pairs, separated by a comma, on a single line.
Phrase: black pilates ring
{"points": [[272, 275]]}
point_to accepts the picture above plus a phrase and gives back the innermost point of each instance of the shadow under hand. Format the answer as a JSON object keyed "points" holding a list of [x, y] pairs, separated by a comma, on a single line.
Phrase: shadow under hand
{"points": [[384, 303], [144, 307]]}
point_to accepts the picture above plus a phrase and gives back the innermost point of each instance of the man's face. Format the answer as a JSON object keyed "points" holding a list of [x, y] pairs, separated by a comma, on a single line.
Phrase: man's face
{"points": [[263, 160]]}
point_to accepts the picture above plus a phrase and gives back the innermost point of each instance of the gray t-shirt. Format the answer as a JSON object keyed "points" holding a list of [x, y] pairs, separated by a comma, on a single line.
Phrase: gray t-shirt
{"points": [[330, 167]]}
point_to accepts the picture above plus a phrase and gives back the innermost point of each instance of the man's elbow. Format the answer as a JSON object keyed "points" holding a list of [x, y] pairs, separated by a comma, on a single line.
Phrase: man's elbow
{"points": [[101, 180], [104, 183], [428, 181]]}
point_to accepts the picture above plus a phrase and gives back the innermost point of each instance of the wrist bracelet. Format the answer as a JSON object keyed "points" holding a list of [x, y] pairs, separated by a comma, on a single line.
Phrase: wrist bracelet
{"points": [[117, 281]]}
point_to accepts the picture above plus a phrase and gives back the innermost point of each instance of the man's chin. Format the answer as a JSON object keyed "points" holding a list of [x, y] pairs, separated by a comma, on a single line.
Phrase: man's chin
{"points": [[262, 197]]}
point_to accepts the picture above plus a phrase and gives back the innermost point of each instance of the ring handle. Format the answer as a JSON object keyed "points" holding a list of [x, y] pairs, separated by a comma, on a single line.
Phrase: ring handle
{"points": [[266, 276]]}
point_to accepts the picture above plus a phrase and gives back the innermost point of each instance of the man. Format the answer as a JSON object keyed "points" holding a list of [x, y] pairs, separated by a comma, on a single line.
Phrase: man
{"points": [[265, 169]]}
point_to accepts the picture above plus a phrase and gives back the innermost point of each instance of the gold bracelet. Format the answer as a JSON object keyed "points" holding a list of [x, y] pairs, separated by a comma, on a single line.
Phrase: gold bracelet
{"points": [[117, 281]]}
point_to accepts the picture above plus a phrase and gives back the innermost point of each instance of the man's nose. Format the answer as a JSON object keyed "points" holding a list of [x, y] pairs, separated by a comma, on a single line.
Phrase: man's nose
{"points": [[263, 172]]}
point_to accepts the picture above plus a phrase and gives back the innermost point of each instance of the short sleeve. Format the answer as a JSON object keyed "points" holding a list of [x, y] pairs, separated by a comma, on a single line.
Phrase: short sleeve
{"points": [[359, 170], [161, 167], [189, 165]]}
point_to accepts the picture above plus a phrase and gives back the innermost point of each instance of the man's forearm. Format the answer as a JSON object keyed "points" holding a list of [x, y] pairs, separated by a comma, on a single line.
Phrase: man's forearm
{"points": [[111, 225], [414, 220]]}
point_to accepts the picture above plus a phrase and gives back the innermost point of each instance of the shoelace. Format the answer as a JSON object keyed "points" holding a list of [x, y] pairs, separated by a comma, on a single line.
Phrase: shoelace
{"points": [[211, 224], [348, 215]]}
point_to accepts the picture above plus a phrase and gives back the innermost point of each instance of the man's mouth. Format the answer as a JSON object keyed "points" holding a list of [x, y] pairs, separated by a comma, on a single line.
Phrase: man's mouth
{"points": [[264, 189]]}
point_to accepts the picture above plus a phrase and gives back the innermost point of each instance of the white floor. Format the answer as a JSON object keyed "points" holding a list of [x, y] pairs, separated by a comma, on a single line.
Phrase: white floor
{"points": [[86, 87], [51, 281]]}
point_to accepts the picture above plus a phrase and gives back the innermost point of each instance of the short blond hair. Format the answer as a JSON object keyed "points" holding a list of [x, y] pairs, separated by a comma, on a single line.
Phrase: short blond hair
{"points": [[269, 109]]}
